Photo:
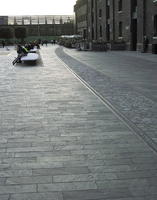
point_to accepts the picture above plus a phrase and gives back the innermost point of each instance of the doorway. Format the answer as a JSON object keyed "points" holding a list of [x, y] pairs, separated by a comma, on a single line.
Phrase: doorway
{"points": [[134, 35], [154, 48]]}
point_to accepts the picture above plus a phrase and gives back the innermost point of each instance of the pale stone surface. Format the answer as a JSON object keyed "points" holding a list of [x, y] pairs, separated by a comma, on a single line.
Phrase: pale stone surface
{"points": [[60, 142]]}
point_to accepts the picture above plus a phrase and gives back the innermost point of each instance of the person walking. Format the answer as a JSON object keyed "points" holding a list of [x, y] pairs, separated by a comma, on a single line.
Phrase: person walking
{"points": [[3, 43], [145, 44], [45, 42]]}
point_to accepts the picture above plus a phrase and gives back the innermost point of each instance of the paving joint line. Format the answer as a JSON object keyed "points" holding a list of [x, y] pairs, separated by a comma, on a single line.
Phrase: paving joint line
{"points": [[138, 132]]}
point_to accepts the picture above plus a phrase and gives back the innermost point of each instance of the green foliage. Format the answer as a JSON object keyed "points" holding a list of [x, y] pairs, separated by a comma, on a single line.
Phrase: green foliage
{"points": [[20, 33], [6, 33]]}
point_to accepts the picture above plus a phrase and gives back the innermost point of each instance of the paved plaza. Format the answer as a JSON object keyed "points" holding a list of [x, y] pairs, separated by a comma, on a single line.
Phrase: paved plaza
{"points": [[125, 79], [60, 141]]}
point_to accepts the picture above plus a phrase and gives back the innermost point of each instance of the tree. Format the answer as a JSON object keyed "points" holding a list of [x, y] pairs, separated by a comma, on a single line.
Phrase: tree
{"points": [[20, 33], [6, 33]]}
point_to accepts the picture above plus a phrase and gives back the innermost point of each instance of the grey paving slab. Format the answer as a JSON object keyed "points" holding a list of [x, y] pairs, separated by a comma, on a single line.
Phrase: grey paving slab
{"points": [[61, 171], [66, 186], [58, 141], [37, 196], [28, 180], [77, 195], [15, 172], [4, 197], [8, 189], [126, 79], [114, 193]]}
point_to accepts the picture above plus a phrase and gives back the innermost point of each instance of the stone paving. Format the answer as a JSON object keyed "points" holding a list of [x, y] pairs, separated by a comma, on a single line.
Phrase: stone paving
{"points": [[58, 141], [126, 79]]}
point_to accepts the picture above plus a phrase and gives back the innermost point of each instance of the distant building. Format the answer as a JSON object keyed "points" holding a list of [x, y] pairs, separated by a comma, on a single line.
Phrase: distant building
{"points": [[3, 20], [42, 25], [123, 24]]}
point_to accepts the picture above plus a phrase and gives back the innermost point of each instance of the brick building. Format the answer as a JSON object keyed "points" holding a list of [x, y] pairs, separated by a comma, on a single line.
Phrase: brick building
{"points": [[81, 19], [123, 24]]}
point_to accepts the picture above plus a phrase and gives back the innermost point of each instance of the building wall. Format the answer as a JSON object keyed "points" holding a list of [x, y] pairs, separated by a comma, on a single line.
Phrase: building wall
{"points": [[140, 24], [146, 12], [149, 22], [45, 30], [81, 17], [124, 17], [129, 25], [100, 20]]}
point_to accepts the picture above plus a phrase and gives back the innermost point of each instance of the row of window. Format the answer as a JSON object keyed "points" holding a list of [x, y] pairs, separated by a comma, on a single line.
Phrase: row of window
{"points": [[120, 23], [82, 18], [120, 30], [120, 6]]}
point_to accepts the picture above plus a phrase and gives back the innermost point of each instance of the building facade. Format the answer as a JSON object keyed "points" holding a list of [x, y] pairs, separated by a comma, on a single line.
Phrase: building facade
{"points": [[43, 29], [81, 19], [123, 24], [38, 26]]}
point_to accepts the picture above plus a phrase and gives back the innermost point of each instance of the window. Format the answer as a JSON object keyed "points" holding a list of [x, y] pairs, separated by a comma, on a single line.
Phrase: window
{"points": [[134, 5], [120, 29], [120, 5], [108, 32], [107, 11], [155, 25], [84, 33], [100, 31], [92, 3], [100, 12], [92, 17], [92, 33]]}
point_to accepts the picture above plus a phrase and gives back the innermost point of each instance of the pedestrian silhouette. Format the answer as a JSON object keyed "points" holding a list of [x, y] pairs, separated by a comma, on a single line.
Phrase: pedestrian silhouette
{"points": [[3, 43]]}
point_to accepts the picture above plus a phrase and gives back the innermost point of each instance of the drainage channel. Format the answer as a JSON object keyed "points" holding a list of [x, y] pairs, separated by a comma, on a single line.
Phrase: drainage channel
{"points": [[110, 106]]}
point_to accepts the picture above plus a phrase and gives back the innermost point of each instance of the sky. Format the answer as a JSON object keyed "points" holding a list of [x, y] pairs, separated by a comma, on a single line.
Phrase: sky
{"points": [[36, 7]]}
